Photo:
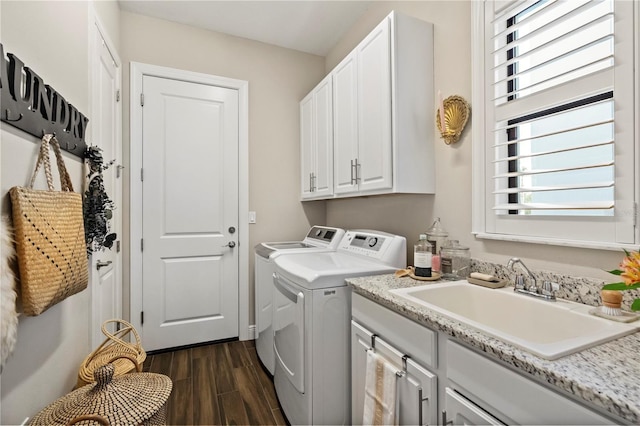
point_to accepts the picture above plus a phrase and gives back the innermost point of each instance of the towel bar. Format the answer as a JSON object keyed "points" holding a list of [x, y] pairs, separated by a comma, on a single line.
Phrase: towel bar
{"points": [[404, 357]]}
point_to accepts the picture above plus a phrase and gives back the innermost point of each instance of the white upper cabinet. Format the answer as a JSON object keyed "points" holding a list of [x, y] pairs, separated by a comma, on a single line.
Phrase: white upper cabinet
{"points": [[316, 135], [383, 114], [345, 124], [374, 161]]}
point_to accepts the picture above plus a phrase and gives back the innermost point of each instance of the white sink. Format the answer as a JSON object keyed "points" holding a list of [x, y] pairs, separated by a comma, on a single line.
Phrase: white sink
{"points": [[549, 330]]}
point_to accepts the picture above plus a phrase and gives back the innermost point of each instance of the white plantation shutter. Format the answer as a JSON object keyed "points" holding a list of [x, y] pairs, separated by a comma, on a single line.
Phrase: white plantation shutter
{"points": [[560, 161]]}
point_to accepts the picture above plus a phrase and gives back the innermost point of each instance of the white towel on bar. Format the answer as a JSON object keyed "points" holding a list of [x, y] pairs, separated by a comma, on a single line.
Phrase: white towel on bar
{"points": [[379, 391]]}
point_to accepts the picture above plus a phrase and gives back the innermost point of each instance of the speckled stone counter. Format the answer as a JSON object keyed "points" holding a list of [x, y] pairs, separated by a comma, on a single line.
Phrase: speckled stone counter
{"points": [[607, 376]]}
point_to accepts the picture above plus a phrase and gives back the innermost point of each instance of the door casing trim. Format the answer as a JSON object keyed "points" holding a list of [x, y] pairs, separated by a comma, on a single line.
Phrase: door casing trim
{"points": [[96, 27], [137, 72]]}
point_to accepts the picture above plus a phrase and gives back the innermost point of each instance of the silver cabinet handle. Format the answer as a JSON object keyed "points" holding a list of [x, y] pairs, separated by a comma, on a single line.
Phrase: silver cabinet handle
{"points": [[444, 418], [230, 244], [101, 264], [420, 401], [351, 181], [355, 166]]}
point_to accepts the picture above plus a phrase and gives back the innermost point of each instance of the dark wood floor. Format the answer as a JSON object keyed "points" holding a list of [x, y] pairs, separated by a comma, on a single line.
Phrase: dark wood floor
{"points": [[219, 384]]}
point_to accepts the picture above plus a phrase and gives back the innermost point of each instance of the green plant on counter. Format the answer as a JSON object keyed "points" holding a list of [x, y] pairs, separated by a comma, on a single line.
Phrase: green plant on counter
{"points": [[630, 273]]}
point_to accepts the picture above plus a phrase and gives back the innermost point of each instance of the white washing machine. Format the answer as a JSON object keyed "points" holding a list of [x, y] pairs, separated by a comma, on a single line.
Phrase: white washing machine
{"points": [[318, 239], [312, 310]]}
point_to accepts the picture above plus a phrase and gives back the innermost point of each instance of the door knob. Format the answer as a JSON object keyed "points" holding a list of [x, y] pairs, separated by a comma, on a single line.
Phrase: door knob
{"points": [[101, 264], [230, 244]]}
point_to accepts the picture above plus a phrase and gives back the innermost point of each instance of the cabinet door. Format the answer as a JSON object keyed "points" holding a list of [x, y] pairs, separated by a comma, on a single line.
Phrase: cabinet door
{"points": [[316, 141], [417, 388], [323, 114], [374, 109], [345, 142], [418, 396], [306, 145], [460, 411]]}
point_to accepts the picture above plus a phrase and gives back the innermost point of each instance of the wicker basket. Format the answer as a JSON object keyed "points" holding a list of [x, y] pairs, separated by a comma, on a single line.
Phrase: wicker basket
{"points": [[113, 346], [133, 399]]}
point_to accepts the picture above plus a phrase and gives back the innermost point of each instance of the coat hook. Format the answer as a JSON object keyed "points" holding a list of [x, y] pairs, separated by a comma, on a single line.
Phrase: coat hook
{"points": [[11, 119]]}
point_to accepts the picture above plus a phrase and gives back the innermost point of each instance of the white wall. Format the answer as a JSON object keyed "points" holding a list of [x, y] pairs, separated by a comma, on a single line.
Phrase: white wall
{"points": [[410, 215], [52, 39]]}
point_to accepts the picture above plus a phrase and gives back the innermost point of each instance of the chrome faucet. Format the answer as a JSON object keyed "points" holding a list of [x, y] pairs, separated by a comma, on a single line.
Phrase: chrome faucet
{"points": [[546, 292]]}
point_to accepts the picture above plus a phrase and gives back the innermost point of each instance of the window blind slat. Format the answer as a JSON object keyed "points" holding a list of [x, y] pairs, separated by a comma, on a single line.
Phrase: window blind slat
{"points": [[554, 188], [554, 170], [543, 135], [602, 205], [550, 152], [568, 130]]}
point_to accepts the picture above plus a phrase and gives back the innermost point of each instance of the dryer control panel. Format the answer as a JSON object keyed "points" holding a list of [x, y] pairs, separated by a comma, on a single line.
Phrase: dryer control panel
{"points": [[387, 248], [324, 236]]}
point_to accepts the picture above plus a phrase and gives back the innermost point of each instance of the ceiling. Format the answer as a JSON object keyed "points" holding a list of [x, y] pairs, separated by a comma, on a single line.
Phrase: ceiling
{"points": [[310, 26]]}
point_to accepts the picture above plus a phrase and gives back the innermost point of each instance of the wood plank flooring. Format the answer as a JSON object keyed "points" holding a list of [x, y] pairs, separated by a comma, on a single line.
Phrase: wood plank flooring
{"points": [[218, 384]]}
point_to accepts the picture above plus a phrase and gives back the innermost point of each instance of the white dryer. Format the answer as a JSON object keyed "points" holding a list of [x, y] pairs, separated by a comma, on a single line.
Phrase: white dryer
{"points": [[318, 239], [311, 318]]}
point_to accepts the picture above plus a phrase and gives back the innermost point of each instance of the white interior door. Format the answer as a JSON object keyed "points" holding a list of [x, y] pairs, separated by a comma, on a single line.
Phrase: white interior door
{"points": [[106, 276], [190, 212]]}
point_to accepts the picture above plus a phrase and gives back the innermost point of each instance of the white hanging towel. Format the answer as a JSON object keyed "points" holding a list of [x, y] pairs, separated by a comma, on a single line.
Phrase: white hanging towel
{"points": [[379, 391]]}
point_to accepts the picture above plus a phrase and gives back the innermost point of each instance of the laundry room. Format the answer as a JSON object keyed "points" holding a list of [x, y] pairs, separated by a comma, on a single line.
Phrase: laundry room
{"points": [[267, 169]]}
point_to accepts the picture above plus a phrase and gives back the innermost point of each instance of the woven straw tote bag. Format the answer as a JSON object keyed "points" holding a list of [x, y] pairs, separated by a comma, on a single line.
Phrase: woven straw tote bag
{"points": [[49, 235], [113, 347]]}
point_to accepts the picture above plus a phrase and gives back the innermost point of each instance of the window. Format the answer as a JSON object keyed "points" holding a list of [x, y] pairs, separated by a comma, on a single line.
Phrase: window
{"points": [[555, 157]]}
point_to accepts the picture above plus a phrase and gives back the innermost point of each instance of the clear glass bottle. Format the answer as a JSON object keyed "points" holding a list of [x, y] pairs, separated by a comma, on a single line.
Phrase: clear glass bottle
{"points": [[422, 257], [455, 261], [436, 235]]}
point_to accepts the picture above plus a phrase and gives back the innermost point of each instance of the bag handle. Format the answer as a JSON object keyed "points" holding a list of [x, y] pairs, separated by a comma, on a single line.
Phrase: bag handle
{"points": [[43, 159]]}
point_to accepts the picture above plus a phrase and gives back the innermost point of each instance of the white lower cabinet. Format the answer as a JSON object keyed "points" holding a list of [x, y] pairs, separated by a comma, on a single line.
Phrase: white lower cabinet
{"points": [[509, 395], [458, 410], [459, 385], [417, 386]]}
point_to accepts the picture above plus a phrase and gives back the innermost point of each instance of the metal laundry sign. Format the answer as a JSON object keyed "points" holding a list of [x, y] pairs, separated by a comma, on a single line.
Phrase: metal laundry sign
{"points": [[37, 108]]}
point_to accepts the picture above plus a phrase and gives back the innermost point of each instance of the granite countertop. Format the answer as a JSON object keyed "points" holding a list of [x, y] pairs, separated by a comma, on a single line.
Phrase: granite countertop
{"points": [[607, 376]]}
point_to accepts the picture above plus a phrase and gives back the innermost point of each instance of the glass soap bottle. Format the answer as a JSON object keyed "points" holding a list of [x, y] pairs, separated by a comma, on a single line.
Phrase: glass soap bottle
{"points": [[422, 257], [455, 261], [436, 235]]}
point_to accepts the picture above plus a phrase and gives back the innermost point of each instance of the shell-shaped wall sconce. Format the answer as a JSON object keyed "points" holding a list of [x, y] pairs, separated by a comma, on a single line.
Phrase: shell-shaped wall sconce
{"points": [[456, 114]]}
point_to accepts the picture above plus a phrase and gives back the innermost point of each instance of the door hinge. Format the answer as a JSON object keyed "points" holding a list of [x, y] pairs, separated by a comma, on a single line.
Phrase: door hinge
{"points": [[118, 246], [117, 95], [141, 317], [141, 244], [142, 175], [141, 99]]}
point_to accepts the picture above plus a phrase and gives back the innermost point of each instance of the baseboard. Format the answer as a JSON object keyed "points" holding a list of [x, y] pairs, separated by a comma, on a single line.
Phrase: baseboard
{"points": [[252, 332]]}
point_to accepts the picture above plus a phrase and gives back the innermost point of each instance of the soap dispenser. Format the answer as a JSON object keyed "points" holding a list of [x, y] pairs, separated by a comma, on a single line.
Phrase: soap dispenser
{"points": [[422, 257], [436, 235]]}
